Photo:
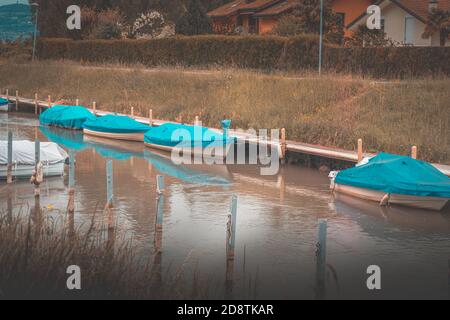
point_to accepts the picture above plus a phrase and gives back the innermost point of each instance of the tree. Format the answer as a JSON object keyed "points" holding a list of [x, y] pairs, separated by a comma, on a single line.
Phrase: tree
{"points": [[305, 19], [194, 21], [109, 25], [438, 21], [148, 25], [364, 37]]}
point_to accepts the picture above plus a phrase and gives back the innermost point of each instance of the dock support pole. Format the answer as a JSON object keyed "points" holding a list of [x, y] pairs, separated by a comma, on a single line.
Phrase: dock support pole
{"points": [[49, 100], [109, 184], [17, 100], [77, 102], [230, 245], [159, 213], [9, 167], [132, 111], [414, 152], [7, 94], [283, 145], [36, 103], [71, 203], [38, 173], [150, 117], [360, 150], [321, 255], [196, 121], [94, 107]]}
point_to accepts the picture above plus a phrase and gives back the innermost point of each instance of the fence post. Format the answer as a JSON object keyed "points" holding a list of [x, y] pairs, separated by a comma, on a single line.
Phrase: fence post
{"points": [[321, 254], [360, 150], [10, 150]]}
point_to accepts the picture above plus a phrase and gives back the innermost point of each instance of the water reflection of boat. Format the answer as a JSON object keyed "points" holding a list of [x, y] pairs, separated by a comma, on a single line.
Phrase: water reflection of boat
{"points": [[68, 139], [113, 149], [4, 105], [407, 218], [196, 174]]}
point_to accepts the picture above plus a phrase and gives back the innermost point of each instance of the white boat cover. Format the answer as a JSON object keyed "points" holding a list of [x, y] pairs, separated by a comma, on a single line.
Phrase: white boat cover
{"points": [[23, 153]]}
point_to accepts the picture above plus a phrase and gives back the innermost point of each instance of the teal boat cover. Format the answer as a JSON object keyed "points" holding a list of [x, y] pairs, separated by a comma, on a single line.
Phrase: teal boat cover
{"points": [[3, 101], [115, 124], [397, 174], [71, 117], [172, 134]]}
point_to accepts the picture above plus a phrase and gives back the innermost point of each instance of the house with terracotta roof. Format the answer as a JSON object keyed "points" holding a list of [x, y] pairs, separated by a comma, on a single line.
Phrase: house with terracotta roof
{"points": [[404, 21], [261, 16]]}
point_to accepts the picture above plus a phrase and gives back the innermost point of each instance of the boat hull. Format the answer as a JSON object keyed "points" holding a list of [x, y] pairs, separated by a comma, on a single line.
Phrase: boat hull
{"points": [[25, 171], [4, 107], [222, 152], [118, 136], [430, 203]]}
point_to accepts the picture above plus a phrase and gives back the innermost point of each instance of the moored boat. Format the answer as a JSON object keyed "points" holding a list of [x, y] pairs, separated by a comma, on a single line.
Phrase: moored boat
{"points": [[189, 139], [393, 179], [4, 105], [52, 157], [116, 127], [69, 117]]}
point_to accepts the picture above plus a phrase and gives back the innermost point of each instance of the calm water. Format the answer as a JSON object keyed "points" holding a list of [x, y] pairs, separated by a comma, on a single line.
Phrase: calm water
{"points": [[276, 228]]}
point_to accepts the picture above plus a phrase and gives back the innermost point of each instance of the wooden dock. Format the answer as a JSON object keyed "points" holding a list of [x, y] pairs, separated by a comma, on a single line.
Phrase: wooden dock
{"points": [[290, 146]]}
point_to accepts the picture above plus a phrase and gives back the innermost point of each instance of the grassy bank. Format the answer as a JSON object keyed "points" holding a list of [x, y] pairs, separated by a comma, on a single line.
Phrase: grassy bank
{"points": [[331, 110]]}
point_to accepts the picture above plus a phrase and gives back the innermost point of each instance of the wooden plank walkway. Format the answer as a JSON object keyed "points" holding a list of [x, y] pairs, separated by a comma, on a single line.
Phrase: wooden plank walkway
{"points": [[291, 146]]}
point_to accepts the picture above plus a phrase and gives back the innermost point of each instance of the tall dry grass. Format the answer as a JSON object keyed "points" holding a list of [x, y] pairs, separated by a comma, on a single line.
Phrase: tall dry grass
{"points": [[331, 110]]}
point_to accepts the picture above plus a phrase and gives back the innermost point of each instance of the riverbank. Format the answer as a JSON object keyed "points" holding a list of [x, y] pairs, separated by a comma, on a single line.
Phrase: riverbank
{"points": [[331, 110]]}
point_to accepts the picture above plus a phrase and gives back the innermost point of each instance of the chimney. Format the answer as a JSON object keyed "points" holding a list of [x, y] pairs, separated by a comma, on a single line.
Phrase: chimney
{"points": [[432, 5]]}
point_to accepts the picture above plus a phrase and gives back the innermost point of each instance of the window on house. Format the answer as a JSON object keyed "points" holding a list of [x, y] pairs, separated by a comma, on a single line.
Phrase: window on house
{"points": [[409, 30], [341, 19], [382, 23], [252, 25]]}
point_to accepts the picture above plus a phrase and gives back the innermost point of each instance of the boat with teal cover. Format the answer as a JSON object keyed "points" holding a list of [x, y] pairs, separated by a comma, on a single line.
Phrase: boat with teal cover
{"points": [[395, 179], [116, 127], [69, 117], [190, 139], [4, 104]]}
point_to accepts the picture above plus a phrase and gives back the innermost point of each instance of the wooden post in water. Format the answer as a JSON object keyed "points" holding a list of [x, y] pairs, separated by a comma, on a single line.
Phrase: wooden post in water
{"points": [[49, 100], [321, 255], [71, 203], [360, 150], [150, 117], [159, 212], [109, 184], [36, 103], [414, 152], [132, 112], [7, 94], [10, 150], [38, 173], [230, 245], [17, 100], [94, 107], [77, 102], [283, 145], [196, 122]]}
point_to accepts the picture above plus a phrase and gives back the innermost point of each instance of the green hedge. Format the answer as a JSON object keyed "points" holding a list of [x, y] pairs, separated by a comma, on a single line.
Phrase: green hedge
{"points": [[256, 52]]}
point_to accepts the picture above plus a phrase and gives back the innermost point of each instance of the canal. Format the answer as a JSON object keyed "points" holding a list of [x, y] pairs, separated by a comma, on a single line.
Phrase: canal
{"points": [[276, 221]]}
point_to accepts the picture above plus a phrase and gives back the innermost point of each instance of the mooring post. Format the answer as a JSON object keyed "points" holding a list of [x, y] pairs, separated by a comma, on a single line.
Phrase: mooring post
{"points": [[7, 94], [132, 111], [77, 102], [360, 150], [321, 255], [283, 145], [196, 121], [94, 107], [35, 103], [49, 100], [230, 245], [109, 184], [37, 177], [150, 117], [71, 203], [17, 100], [159, 213], [10, 150], [414, 152]]}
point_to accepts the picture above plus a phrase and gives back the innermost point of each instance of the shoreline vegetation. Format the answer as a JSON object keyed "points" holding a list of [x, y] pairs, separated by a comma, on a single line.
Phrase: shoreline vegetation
{"points": [[332, 110]]}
